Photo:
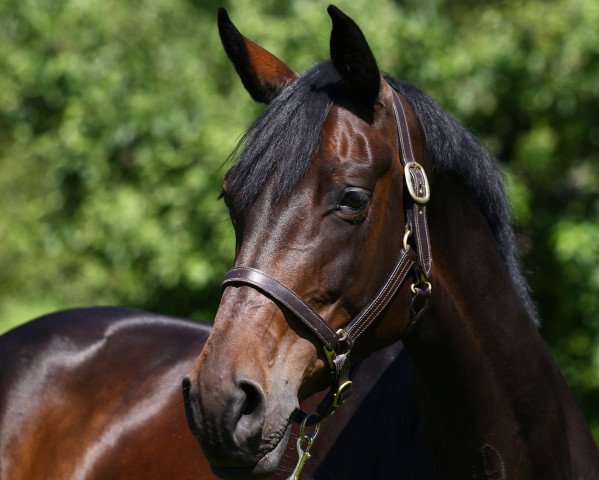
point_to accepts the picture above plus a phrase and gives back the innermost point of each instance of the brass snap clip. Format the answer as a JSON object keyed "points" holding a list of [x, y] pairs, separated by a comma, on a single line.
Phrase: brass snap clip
{"points": [[304, 444]]}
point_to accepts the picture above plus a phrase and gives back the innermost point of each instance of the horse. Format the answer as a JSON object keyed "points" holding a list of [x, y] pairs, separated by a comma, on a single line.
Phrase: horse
{"points": [[94, 394], [318, 201], [364, 215]]}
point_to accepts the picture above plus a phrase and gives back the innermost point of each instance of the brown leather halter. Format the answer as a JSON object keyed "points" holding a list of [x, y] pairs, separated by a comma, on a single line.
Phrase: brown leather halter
{"points": [[337, 345]]}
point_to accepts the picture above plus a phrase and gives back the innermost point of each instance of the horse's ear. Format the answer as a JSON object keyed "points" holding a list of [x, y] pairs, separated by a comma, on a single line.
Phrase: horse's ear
{"points": [[263, 75], [353, 58]]}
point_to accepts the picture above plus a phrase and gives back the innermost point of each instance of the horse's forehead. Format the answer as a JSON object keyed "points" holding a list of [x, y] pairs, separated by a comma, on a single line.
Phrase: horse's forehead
{"points": [[346, 137]]}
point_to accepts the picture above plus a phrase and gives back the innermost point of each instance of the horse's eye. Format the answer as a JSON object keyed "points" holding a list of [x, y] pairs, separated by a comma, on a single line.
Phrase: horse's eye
{"points": [[353, 201]]}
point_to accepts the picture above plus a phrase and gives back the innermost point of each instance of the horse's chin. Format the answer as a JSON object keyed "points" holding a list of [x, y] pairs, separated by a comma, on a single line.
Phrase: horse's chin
{"points": [[265, 467], [270, 462]]}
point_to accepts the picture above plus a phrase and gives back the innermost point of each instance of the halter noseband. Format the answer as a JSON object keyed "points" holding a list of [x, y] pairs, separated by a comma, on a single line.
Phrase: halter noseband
{"points": [[337, 345]]}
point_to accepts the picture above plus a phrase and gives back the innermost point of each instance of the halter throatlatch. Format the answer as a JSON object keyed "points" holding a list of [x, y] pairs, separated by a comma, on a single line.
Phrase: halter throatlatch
{"points": [[337, 345]]}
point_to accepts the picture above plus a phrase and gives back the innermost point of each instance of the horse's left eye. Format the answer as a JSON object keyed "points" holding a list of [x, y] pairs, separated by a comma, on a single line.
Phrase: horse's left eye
{"points": [[353, 201]]}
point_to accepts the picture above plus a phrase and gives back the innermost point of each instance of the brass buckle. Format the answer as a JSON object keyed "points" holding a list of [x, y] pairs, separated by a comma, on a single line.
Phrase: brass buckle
{"points": [[342, 394], [423, 193]]}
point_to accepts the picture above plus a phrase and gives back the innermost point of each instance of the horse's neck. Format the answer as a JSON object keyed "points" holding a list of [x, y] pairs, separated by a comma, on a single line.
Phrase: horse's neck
{"points": [[488, 387]]}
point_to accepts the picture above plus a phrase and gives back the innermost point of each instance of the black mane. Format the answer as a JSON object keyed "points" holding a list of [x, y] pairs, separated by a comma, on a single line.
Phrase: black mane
{"points": [[455, 150], [284, 139]]}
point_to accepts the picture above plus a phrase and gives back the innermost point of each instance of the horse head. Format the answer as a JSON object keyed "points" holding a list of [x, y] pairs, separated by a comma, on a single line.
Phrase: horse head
{"points": [[317, 203]]}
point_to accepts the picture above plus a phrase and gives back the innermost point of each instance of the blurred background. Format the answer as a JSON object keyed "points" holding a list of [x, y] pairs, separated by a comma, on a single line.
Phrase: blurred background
{"points": [[117, 117]]}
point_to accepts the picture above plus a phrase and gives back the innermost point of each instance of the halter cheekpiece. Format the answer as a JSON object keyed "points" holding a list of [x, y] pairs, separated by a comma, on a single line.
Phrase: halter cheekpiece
{"points": [[337, 345]]}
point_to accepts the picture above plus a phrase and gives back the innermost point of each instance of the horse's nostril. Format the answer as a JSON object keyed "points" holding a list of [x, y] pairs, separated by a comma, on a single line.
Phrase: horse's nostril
{"points": [[186, 384], [251, 410], [253, 397]]}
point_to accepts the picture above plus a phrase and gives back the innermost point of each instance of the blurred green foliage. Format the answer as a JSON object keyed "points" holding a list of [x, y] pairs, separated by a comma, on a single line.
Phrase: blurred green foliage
{"points": [[116, 119]]}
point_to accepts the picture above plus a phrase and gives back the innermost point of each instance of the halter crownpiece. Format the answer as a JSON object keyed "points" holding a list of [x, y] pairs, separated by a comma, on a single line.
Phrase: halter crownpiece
{"points": [[337, 345]]}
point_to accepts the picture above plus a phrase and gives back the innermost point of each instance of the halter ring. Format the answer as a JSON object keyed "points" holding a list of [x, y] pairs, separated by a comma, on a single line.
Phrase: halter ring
{"points": [[406, 236]]}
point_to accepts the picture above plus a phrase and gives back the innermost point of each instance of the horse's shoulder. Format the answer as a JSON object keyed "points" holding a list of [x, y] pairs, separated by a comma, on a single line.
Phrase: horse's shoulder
{"points": [[86, 375]]}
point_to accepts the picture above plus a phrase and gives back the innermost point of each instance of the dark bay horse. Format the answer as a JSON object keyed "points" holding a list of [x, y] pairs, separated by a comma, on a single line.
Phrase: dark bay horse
{"points": [[95, 394], [364, 214]]}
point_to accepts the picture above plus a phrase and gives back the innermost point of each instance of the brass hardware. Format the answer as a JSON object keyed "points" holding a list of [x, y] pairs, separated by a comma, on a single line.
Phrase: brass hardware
{"points": [[406, 236], [342, 394], [304, 444], [332, 354], [303, 433], [423, 194], [429, 287]]}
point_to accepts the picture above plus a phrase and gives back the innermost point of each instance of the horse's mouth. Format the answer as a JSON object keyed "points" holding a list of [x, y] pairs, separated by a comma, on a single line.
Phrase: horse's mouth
{"points": [[265, 467]]}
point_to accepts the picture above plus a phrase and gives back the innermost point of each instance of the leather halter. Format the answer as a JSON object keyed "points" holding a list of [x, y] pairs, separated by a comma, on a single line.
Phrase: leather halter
{"points": [[337, 345]]}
